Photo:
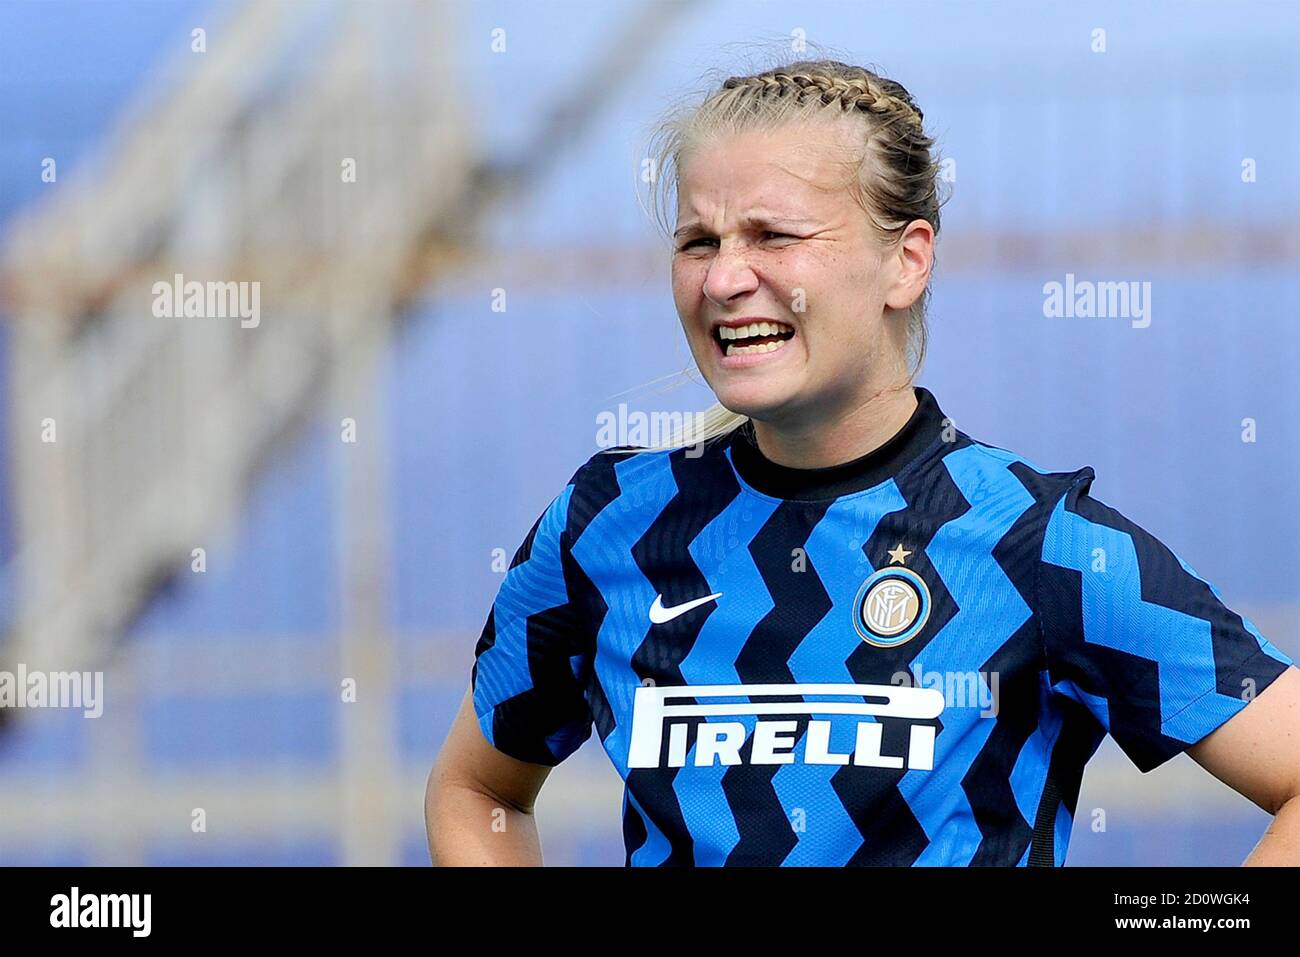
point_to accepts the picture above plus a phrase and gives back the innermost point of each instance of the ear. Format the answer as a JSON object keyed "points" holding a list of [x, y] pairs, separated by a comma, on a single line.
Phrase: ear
{"points": [[910, 260]]}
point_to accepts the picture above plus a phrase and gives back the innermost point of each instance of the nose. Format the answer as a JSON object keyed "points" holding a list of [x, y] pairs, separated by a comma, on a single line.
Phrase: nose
{"points": [[729, 275]]}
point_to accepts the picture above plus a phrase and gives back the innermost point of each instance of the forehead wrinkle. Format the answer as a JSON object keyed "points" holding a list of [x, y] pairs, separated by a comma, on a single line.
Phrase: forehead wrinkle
{"points": [[812, 165], [760, 213], [751, 220]]}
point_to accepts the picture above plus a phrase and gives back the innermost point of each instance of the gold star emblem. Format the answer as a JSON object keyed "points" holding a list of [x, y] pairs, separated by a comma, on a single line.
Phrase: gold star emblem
{"points": [[897, 554]]}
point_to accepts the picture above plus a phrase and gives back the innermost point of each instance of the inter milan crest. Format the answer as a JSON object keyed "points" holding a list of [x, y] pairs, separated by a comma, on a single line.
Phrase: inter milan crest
{"points": [[892, 606]]}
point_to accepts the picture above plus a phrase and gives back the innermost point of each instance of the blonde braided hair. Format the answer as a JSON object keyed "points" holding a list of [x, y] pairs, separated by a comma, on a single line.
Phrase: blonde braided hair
{"points": [[865, 92]]}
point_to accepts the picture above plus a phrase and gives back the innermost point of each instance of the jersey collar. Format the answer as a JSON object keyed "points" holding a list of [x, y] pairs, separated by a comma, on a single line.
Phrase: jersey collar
{"points": [[783, 481]]}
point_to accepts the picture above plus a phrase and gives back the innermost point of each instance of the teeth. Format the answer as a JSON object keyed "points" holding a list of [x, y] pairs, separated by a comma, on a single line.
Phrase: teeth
{"points": [[735, 350], [753, 329]]}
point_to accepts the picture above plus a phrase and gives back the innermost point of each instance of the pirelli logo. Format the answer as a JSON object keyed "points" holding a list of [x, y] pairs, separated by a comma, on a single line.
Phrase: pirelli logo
{"points": [[774, 741]]}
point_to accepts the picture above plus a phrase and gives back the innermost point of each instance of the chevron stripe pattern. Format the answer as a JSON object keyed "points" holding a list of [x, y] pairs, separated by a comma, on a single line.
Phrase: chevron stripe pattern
{"points": [[1051, 621]]}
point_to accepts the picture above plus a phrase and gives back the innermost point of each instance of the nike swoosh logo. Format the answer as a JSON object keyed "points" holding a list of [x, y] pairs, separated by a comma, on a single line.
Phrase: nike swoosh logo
{"points": [[659, 614]]}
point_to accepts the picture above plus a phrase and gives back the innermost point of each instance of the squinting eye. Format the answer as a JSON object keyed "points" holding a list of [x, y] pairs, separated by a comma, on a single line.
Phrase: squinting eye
{"points": [[766, 234]]}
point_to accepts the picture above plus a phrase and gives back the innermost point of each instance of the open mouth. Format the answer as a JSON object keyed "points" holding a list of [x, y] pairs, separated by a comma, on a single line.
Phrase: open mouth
{"points": [[753, 338]]}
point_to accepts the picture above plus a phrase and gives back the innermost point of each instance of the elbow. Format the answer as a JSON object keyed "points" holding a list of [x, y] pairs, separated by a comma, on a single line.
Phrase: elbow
{"points": [[1279, 805]]}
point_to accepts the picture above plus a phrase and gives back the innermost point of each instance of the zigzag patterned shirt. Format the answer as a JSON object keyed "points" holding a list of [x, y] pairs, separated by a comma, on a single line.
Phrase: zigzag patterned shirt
{"points": [[906, 659]]}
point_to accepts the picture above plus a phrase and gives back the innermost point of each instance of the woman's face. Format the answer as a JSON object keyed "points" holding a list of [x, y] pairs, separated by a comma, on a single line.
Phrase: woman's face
{"points": [[780, 285]]}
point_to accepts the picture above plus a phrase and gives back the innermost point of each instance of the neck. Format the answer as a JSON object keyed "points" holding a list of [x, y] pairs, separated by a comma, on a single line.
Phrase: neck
{"points": [[848, 436]]}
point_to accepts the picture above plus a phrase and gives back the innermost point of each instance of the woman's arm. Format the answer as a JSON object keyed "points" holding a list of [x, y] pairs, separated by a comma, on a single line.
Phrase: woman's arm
{"points": [[1280, 845], [478, 803], [1257, 753]]}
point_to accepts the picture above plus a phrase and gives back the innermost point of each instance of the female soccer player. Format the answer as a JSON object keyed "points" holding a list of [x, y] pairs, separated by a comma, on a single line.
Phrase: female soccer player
{"points": [[828, 627]]}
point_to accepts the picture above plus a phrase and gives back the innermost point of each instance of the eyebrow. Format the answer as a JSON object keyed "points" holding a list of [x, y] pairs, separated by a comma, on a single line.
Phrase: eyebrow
{"points": [[754, 219]]}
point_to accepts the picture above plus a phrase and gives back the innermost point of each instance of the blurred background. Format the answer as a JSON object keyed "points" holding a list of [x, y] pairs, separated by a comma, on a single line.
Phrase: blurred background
{"points": [[394, 174]]}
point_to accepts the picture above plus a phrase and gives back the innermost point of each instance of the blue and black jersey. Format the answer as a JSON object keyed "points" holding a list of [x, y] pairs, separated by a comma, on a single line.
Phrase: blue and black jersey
{"points": [[905, 659]]}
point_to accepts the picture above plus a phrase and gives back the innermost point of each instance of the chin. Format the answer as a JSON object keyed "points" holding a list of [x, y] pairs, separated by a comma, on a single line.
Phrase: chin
{"points": [[755, 400]]}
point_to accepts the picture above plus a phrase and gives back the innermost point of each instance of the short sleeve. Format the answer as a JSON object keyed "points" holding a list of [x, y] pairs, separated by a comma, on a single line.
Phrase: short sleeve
{"points": [[532, 655], [1131, 632]]}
